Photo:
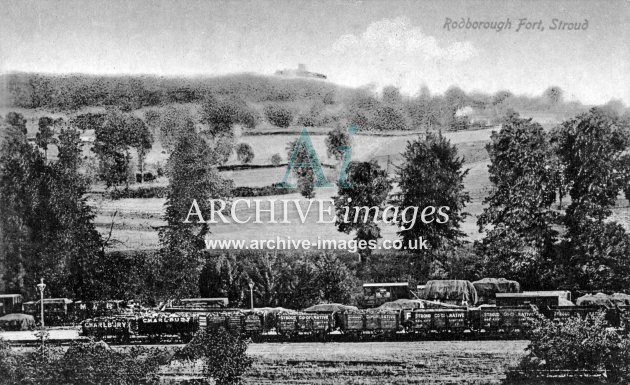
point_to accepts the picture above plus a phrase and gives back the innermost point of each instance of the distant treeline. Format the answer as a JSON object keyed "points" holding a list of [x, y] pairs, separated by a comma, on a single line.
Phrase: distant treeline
{"points": [[319, 103], [133, 92]]}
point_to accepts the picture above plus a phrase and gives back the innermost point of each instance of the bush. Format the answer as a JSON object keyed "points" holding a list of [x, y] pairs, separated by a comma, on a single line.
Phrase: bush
{"points": [[278, 115], [577, 345], [224, 355], [97, 363], [312, 117], [276, 159], [83, 363], [8, 361], [244, 153], [245, 192], [142, 192]]}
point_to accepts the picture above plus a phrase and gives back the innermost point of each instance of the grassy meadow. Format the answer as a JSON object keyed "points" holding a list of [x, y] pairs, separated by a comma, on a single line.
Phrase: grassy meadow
{"points": [[367, 363]]}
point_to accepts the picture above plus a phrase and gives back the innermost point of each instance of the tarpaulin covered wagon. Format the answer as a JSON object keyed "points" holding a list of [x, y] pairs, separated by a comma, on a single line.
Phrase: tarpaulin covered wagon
{"points": [[487, 288], [599, 299], [13, 322], [457, 292]]}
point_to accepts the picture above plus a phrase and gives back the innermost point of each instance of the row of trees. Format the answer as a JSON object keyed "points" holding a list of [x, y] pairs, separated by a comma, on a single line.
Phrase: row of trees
{"points": [[47, 228], [528, 236]]}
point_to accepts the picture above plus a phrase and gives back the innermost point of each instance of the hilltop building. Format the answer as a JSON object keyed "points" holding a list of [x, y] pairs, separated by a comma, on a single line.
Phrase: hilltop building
{"points": [[300, 72]]}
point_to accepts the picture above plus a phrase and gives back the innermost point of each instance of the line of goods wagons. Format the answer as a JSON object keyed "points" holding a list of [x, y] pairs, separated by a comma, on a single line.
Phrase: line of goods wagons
{"points": [[419, 322]]}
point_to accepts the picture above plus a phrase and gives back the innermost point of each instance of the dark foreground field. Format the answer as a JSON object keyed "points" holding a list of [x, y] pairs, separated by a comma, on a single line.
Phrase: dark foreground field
{"points": [[426, 362]]}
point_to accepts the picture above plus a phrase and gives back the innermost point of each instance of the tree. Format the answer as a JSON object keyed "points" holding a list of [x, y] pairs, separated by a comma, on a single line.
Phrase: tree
{"points": [[221, 114], [389, 118], [553, 95], [431, 175], [336, 140], [369, 187], [244, 153], [88, 121], [335, 281], [16, 120], [78, 245], [141, 140], [112, 143], [193, 176], [44, 136], [592, 148], [518, 217], [169, 123], [48, 228], [305, 175], [362, 109], [312, 117], [278, 115]]}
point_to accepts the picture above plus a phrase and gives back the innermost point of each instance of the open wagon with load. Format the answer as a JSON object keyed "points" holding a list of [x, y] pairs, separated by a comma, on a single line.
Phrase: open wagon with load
{"points": [[159, 326], [359, 324], [115, 328], [507, 320], [443, 321], [291, 326], [230, 320]]}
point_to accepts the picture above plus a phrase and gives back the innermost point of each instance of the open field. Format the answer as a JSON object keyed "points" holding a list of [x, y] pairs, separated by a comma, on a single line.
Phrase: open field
{"points": [[367, 363], [135, 220], [427, 362]]}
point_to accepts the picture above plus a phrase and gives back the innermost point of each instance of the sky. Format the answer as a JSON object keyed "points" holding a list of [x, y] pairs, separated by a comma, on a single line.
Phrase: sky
{"points": [[355, 43]]}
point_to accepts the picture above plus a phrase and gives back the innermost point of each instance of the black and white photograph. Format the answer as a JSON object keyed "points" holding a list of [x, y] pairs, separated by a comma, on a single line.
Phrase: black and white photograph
{"points": [[312, 192]]}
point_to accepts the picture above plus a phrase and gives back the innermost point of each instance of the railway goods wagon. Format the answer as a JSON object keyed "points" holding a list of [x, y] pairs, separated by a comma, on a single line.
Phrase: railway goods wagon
{"points": [[157, 327], [55, 311], [381, 323], [542, 300], [352, 323], [117, 328], [425, 321], [516, 319], [253, 325], [286, 324], [506, 319], [10, 303], [230, 321], [562, 313], [315, 324]]}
